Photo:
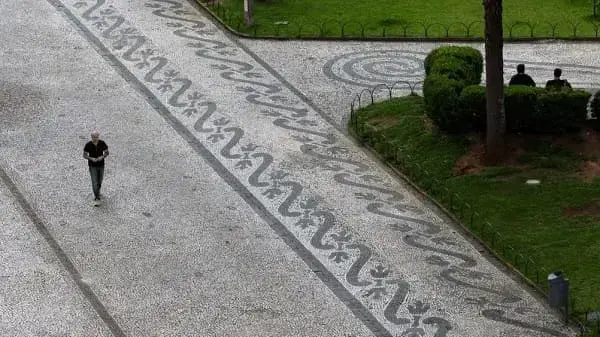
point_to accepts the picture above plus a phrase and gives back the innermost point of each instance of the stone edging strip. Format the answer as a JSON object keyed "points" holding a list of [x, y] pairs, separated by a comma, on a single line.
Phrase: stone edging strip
{"points": [[75, 275]]}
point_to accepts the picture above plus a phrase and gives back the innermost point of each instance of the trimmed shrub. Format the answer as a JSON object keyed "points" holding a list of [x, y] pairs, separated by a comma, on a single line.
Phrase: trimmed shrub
{"points": [[441, 103], [595, 105], [594, 112], [472, 103], [560, 111], [456, 103], [520, 103], [470, 56], [526, 111], [449, 69], [455, 69]]}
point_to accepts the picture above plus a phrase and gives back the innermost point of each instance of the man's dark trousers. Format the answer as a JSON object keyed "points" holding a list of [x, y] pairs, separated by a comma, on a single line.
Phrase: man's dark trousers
{"points": [[97, 173]]}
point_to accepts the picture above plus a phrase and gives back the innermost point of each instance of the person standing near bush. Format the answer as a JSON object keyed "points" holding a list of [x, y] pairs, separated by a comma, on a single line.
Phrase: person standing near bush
{"points": [[521, 78], [95, 151], [557, 83]]}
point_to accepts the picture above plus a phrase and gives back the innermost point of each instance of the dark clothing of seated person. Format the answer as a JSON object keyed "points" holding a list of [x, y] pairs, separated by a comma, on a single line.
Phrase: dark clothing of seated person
{"points": [[521, 78], [557, 83]]}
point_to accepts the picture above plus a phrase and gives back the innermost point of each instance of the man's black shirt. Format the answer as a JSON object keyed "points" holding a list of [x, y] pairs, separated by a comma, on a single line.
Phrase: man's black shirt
{"points": [[557, 84], [95, 151], [522, 79]]}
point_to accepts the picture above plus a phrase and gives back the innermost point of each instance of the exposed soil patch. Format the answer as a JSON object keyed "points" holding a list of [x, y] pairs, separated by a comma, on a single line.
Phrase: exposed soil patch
{"points": [[586, 143], [429, 125], [591, 209], [473, 161], [384, 122], [590, 170]]}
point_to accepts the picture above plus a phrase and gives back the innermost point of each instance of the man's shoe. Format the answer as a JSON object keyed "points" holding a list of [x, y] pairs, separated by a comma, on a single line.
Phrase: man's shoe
{"points": [[96, 201]]}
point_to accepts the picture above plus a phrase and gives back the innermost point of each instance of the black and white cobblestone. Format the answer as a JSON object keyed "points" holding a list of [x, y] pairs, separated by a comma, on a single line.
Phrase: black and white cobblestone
{"points": [[396, 264], [332, 74]]}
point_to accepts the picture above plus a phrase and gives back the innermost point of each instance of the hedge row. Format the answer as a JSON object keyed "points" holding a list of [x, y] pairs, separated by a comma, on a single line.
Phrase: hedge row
{"points": [[456, 102], [527, 109], [595, 105]]}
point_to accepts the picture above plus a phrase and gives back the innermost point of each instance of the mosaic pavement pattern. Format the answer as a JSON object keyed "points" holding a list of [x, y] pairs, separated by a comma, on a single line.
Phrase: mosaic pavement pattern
{"points": [[394, 262], [333, 74], [370, 68]]}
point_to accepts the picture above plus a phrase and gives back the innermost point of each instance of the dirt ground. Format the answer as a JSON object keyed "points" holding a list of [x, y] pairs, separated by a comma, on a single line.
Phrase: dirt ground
{"points": [[586, 143]]}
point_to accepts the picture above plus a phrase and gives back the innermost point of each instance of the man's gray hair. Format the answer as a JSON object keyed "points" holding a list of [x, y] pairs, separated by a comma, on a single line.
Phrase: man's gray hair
{"points": [[95, 132]]}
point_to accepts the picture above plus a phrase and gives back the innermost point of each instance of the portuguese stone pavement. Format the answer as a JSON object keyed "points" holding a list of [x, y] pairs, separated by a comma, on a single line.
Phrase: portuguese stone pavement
{"points": [[234, 203]]}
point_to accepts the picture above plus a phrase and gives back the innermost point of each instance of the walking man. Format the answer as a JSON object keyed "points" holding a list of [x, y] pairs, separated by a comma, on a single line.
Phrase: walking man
{"points": [[95, 151]]}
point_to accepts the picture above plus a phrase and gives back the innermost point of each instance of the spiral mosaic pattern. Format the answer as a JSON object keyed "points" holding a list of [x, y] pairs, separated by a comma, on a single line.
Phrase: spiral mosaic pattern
{"points": [[367, 69]]}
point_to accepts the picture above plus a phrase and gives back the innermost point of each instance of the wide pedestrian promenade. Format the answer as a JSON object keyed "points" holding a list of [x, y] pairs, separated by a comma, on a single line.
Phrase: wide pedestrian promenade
{"points": [[234, 203]]}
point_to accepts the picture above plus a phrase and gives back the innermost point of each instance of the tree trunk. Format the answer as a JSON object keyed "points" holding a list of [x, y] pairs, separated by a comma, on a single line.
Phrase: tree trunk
{"points": [[248, 12], [494, 78]]}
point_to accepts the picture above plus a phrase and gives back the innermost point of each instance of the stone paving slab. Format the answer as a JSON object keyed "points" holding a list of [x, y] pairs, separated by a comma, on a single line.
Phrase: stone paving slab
{"points": [[331, 74], [174, 250]]}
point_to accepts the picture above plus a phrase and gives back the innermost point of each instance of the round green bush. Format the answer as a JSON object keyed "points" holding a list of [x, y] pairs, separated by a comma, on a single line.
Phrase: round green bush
{"points": [[471, 56], [455, 69], [441, 103]]}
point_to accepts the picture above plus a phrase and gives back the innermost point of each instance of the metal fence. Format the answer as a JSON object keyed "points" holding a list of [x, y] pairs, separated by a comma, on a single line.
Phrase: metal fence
{"points": [[460, 210], [473, 30]]}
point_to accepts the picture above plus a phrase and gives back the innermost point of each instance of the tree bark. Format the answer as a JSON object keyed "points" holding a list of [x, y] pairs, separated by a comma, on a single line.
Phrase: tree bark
{"points": [[248, 12], [494, 78]]}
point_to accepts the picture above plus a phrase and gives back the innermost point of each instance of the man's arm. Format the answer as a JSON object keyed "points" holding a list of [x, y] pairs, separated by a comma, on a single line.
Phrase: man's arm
{"points": [[104, 154], [86, 155]]}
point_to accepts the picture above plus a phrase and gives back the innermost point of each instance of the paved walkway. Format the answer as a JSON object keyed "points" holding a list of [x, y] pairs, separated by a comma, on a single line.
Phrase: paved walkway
{"points": [[332, 74], [234, 206]]}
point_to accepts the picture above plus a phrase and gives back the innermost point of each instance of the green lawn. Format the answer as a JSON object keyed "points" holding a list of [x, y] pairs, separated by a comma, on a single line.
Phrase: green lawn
{"points": [[529, 219], [410, 18]]}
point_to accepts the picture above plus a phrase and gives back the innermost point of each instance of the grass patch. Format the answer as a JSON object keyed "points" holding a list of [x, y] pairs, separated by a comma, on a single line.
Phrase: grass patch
{"points": [[543, 222], [426, 18]]}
